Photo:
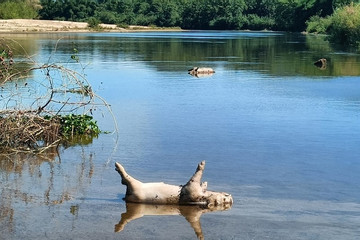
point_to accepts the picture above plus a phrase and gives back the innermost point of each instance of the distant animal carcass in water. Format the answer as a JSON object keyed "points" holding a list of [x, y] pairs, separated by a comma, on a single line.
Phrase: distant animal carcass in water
{"points": [[201, 71]]}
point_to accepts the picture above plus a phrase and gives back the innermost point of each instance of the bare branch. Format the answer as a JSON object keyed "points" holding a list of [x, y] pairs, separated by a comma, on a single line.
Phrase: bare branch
{"points": [[29, 91]]}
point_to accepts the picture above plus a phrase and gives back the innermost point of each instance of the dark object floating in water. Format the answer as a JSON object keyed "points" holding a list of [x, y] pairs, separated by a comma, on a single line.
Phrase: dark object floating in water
{"points": [[321, 63]]}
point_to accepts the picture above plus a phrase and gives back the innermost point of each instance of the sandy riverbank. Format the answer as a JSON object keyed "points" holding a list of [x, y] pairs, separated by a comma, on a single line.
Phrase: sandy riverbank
{"points": [[29, 25]]}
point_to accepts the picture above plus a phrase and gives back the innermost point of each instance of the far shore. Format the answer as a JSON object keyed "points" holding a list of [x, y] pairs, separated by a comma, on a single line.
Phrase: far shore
{"points": [[42, 26]]}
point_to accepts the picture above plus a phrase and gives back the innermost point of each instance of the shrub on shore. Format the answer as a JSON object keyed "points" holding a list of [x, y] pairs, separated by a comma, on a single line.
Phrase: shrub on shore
{"points": [[319, 25], [93, 22], [18, 9], [343, 26]]}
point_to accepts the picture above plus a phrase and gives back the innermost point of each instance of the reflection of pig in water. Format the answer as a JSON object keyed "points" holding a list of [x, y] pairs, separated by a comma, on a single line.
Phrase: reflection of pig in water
{"points": [[201, 72], [192, 193], [191, 213]]}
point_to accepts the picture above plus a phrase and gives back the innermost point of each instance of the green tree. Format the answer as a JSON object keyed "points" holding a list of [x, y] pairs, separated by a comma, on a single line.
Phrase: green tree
{"points": [[227, 15], [213, 14], [340, 3], [18, 9], [284, 15], [345, 25], [192, 15], [166, 13], [115, 11], [73, 10], [291, 15], [260, 14]]}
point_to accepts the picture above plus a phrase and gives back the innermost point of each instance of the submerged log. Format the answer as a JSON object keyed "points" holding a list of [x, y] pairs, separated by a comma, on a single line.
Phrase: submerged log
{"points": [[194, 192], [201, 72]]}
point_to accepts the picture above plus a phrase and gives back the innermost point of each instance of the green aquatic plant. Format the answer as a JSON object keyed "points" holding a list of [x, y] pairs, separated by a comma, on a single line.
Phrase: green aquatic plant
{"points": [[76, 124]]}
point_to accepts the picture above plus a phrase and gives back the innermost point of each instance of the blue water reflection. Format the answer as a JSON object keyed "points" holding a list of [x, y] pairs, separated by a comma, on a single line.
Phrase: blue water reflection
{"points": [[279, 134]]}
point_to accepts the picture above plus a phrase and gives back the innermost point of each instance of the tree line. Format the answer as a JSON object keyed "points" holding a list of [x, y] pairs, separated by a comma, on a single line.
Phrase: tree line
{"points": [[284, 15], [278, 15]]}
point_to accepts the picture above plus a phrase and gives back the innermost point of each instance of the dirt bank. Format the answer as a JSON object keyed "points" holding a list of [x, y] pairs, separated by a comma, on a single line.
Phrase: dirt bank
{"points": [[29, 25]]}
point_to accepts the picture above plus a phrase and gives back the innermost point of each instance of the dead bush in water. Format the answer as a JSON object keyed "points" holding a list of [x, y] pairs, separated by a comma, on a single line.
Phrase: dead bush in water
{"points": [[24, 132], [42, 104]]}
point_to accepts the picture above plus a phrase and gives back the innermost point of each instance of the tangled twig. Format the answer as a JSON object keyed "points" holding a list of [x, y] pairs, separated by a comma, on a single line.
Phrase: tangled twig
{"points": [[25, 132], [48, 90]]}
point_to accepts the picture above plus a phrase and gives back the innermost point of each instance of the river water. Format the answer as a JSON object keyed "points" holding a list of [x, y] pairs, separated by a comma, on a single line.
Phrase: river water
{"points": [[279, 134]]}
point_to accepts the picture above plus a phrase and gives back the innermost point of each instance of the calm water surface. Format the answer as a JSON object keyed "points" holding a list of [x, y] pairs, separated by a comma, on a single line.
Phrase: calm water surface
{"points": [[279, 134]]}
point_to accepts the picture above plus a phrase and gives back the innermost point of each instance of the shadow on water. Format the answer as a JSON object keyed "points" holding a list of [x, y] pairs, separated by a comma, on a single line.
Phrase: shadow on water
{"points": [[191, 213]]}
